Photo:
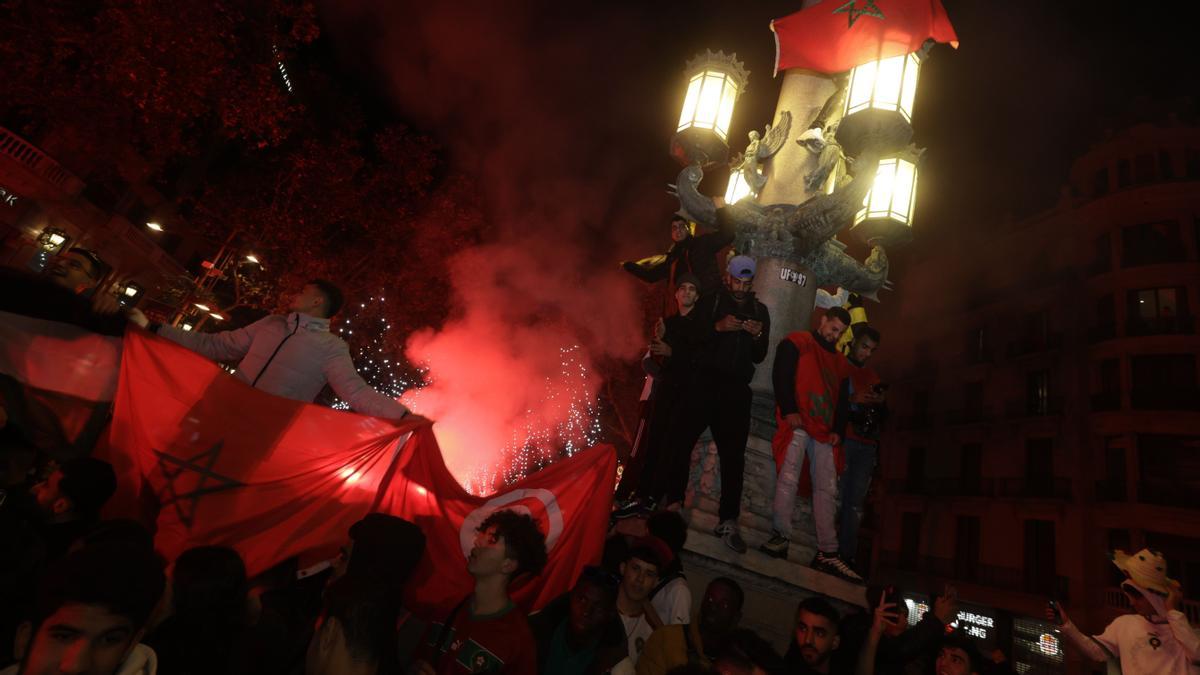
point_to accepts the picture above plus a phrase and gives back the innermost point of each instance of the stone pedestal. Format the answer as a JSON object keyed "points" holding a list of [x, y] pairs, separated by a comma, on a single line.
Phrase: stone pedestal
{"points": [[773, 587]]}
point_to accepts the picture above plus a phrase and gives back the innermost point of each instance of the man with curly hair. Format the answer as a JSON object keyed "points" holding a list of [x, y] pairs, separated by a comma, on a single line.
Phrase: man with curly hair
{"points": [[486, 632]]}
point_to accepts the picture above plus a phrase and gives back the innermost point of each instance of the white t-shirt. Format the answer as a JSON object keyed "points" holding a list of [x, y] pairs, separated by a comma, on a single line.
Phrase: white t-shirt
{"points": [[673, 602], [637, 631], [1146, 648]]}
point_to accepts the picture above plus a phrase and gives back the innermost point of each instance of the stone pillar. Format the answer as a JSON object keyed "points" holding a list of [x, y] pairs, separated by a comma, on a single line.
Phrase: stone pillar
{"points": [[784, 286]]}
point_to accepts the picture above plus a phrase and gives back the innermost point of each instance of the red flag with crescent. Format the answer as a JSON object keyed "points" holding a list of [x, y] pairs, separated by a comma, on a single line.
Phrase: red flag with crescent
{"points": [[275, 478]]}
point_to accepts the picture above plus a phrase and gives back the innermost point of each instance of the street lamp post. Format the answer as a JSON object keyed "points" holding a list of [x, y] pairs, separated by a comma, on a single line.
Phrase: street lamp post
{"points": [[837, 158]]}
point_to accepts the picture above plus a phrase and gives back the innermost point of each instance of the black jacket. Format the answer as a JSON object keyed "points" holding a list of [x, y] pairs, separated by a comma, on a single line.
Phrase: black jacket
{"points": [[697, 255], [729, 354]]}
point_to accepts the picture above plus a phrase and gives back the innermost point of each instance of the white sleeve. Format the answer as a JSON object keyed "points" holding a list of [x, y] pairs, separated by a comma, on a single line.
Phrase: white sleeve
{"points": [[1184, 633], [674, 603], [1087, 645]]}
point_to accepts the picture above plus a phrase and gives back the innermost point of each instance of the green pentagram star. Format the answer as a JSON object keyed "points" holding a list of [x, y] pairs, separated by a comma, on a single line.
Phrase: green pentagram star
{"points": [[820, 407], [853, 11], [173, 468]]}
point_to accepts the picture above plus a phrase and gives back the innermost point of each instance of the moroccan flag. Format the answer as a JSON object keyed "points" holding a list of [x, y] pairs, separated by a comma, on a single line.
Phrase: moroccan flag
{"points": [[56, 382], [834, 36], [275, 478]]}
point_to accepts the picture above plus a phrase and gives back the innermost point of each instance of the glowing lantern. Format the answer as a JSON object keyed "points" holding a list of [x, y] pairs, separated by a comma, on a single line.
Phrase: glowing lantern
{"points": [[715, 80], [879, 104], [52, 239], [130, 292], [888, 207], [737, 189]]}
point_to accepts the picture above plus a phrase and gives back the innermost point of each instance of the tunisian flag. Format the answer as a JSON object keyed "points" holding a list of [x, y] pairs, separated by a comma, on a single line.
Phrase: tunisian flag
{"points": [[834, 36], [275, 478]]}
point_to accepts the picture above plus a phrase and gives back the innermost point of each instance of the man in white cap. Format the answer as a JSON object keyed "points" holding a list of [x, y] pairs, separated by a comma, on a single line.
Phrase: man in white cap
{"points": [[1156, 638], [732, 329]]}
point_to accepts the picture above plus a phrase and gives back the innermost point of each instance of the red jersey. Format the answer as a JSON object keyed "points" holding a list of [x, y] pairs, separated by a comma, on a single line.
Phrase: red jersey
{"points": [[494, 643], [862, 378], [819, 375]]}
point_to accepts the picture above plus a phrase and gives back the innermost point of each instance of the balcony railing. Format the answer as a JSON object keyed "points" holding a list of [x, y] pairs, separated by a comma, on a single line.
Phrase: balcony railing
{"points": [[38, 162], [1171, 325], [1115, 598], [1034, 407], [1174, 493], [993, 576], [1104, 401], [957, 417], [1049, 487], [1026, 346], [1165, 398], [1033, 487]]}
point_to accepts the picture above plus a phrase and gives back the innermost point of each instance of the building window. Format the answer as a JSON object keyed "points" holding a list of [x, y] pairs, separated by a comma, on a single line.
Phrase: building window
{"points": [[1040, 563], [1106, 392], [1143, 168], [1183, 559], [1169, 469], [1039, 467], [1164, 382], [1100, 182], [971, 469], [1166, 168], [914, 475], [1112, 487], [1102, 262], [966, 548], [973, 402], [1158, 311], [910, 540], [1152, 243], [1037, 392], [1192, 163], [1123, 179], [977, 345]]}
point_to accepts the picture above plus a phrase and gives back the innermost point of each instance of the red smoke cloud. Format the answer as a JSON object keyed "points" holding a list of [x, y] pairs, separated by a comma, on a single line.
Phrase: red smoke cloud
{"points": [[516, 107]]}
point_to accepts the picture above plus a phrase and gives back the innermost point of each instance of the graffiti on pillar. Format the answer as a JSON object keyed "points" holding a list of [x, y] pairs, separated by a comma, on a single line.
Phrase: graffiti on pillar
{"points": [[793, 276]]}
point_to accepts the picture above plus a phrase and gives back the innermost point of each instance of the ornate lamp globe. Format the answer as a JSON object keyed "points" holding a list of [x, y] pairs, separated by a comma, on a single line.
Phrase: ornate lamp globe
{"points": [[714, 83], [888, 207], [52, 239], [879, 103], [737, 189], [130, 292]]}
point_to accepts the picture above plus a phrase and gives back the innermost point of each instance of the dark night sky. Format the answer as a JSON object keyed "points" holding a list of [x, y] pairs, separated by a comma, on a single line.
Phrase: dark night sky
{"points": [[1032, 85]]}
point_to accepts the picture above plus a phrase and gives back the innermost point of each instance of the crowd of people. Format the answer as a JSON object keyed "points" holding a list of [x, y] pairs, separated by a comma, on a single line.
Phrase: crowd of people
{"points": [[830, 406], [79, 594]]}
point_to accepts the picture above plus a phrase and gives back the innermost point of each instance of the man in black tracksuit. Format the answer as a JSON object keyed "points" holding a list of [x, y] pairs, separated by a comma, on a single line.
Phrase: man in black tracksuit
{"points": [[732, 329], [689, 253]]}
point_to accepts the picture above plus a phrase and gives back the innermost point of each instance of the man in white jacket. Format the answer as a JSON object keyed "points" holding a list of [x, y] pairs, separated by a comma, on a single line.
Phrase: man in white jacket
{"points": [[1156, 639], [292, 355]]}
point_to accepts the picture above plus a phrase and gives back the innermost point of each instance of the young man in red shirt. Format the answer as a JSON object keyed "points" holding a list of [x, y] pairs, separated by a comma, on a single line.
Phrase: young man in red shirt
{"points": [[860, 435], [486, 632]]}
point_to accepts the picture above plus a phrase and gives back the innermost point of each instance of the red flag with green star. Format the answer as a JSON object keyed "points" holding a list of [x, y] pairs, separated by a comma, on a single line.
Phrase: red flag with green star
{"points": [[834, 36]]}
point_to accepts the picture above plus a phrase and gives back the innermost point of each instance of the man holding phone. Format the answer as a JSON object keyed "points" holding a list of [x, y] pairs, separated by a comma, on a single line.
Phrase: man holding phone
{"points": [[859, 420], [731, 337]]}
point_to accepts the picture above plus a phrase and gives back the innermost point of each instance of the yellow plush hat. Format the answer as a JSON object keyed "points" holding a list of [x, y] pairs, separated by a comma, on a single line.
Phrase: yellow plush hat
{"points": [[1147, 569]]}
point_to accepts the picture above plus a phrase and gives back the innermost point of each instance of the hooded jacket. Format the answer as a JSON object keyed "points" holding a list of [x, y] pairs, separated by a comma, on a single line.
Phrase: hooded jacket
{"points": [[292, 356]]}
